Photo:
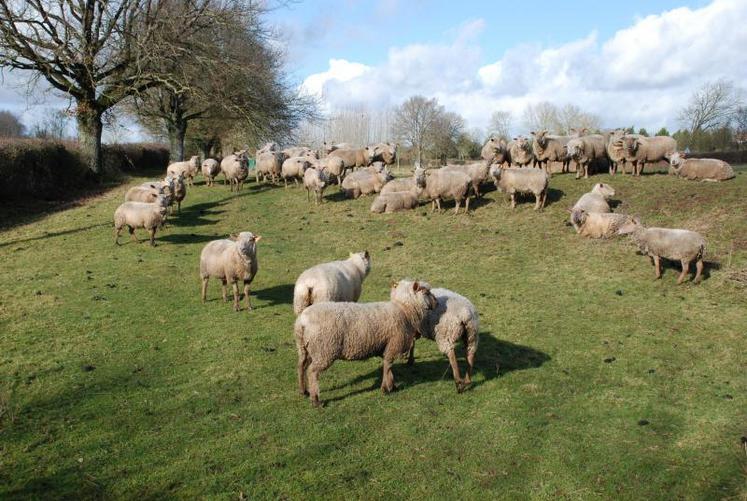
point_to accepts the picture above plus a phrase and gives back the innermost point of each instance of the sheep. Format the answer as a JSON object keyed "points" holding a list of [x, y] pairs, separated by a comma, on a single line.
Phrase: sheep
{"points": [[268, 147], [357, 157], [547, 148], [597, 224], [703, 169], [677, 245], [586, 150], [142, 194], [140, 215], [406, 183], [326, 332], [478, 173], [444, 185], [513, 181], [615, 151], [385, 152], [335, 168], [180, 192], [210, 169], [235, 169], [640, 150], [230, 260], [269, 164], [365, 182], [299, 151], [395, 201], [188, 169], [453, 319], [294, 168], [165, 188], [596, 199], [520, 151], [329, 147], [315, 180], [495, 151], [338, 281]]}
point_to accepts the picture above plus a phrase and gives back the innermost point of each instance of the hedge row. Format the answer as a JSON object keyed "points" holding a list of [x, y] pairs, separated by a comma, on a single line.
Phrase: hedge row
{"points": [[735, 157], [48, 170]]}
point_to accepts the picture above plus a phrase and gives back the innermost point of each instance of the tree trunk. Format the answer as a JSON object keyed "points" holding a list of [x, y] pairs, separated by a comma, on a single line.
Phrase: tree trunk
{"points": [[89, 134], [177, 132]]}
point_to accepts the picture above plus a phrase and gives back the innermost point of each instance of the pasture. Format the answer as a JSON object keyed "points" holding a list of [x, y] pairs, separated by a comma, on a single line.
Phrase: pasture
{"points": [[592, 380]]}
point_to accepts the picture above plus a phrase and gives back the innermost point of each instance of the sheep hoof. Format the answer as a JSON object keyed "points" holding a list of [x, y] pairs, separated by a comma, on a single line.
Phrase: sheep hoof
{"points": [[303, 393], [316, 403]]}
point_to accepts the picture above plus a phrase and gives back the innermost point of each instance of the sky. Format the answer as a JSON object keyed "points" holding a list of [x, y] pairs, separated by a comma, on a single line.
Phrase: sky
{"points": [[631, 63]]}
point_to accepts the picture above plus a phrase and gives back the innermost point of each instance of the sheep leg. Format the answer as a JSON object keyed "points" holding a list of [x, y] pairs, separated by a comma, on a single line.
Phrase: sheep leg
{"points": [[470, 367], [685, 271], [132, 234], [513, 200], [152, 232], [285, 180], [178, 207], [313, 374], [457, 203], [235, 287], [698, 271], [455, 370], [117, 231], [203, 295], [223, 290], [433, 205], [308, 197], [387, 378], [247, 297], [466, 205], [303, 365], [657, 265], [411, 355]]}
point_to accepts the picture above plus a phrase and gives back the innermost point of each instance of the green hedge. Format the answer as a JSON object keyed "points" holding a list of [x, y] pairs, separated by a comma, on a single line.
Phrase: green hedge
{"points": [[43, 169]]}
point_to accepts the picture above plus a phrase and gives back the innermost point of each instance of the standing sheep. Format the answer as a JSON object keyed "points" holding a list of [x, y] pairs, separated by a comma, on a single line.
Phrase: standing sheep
{"points": [[180, 192], [585, 151], [144, 194], [235, 169], [640, 150], [513, 181], [335, 168], [326, 332], [597, 199], [521, 152], [140, 215], [188, 169], [447, 185], [478, 172], [453, 319], [230, 261], [294, 168], [700, 169], [358, 157], [210, 170], [597, 224], [547, 148], [616, 152], [315, 180], [338, 281], [677, 245], [269, 165]]}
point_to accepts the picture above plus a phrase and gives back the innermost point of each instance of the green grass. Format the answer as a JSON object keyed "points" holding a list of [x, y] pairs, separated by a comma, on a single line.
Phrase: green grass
{"points": [[116, 382]]}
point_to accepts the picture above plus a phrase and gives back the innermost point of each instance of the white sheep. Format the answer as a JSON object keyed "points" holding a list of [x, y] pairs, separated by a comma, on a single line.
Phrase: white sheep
{"points": [[447, 185], [140, 215], [335, 281], [597, 199], [315, 180], [294, 168], [210, 170], [597, 224], [230, 261], [700, 169], [405, 183], [188, 169], [517, 180]]}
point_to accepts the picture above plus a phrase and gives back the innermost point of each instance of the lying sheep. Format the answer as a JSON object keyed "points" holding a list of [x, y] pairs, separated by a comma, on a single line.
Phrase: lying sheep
{"points": [[586, 150], [447, 185], [405, 183], [210, 169], [513, 181], [453, 319], [597, 224], [677, 245], [338, 281], [326, 332], [640, 150], [365, 182], [478, 172], [142, 194], [235, 169], [140, 215], [597, 199], [188, 169], [521, 152], [230, 261], [294, 168], [395, 201], [315, 180], [699, 169]]}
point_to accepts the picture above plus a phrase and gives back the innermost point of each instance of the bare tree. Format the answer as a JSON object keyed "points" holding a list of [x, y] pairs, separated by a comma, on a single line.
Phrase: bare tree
{"points": [[712, 106], [541, 116], [500, 124], [414, 121], [54, 125], [98, 52], [571, 116], [10, 125]]}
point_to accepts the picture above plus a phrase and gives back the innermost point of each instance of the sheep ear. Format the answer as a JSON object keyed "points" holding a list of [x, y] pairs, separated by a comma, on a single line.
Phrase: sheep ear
{"points": [[257, 238], [233, 236], [366, 254], [533, 133], [416, 286], [394, 284]]}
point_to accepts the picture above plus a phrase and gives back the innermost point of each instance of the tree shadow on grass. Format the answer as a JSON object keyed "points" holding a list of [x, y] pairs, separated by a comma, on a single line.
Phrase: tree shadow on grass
{"points": [[278, 294], [494, 358], [192, 215], [53, 234], [186, 238]]}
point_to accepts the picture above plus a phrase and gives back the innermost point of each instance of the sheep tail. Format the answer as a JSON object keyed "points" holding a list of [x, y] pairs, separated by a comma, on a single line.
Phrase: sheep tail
{"points": [[302, 299]]}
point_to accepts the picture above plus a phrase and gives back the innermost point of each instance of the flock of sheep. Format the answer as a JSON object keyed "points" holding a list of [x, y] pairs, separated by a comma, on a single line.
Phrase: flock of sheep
{"points": [[331, 325]]}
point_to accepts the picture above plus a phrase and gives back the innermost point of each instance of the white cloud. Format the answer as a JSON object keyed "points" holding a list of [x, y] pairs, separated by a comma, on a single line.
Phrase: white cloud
{"points": [[642, 75]]}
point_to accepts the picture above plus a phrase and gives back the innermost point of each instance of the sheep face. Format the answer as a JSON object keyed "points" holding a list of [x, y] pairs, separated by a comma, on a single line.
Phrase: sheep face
{"points": [[575, 148], [365, 259], [676, 158], [630, 144], [605, 190], [630, 226], [247, 242], [409, 292], [370, 153]]}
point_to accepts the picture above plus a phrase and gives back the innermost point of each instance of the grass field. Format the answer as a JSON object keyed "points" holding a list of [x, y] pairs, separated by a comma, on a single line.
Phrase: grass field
{"points": [[593, 379]]}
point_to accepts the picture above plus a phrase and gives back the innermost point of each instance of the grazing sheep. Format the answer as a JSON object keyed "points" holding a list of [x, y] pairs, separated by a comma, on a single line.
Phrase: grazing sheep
{"points": [[700, 169], [269, 165], [447, 185], [677, 245], [315, 180], [294, 168], [235, 169], [188, 169], [640, 150], [513, 181], [521, 152], [210, 169], [453, 319], [326, 332], [337, 281], [478, 172], [140, 215], [586, 150], [180, 192], [597, 224], [144, 194], [547, 148], [405, 183], [358, 157], [597, 199], [365, 182], [495, 151], [230, 261]]}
